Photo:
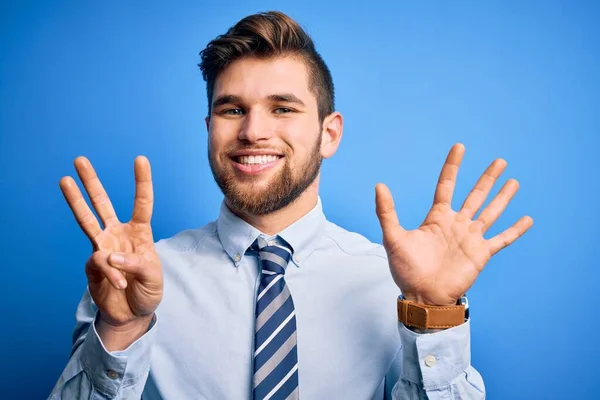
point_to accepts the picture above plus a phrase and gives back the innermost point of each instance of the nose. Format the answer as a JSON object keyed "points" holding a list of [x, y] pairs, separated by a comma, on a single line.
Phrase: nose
{"points": [[256, 127]]}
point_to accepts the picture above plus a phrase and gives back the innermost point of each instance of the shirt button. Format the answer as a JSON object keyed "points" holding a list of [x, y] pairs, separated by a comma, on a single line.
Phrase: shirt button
{"points": [[430, 360], [237, 257], [112, 374]]}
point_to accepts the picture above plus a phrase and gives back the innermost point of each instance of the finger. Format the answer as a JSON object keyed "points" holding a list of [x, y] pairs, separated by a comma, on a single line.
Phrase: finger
{"points": [[507, 237], [482, 188], [128, 262], [82, 212], [98, 268], [144, 194], [95, 191], [447, 179], [386, 212], [490, 214]]}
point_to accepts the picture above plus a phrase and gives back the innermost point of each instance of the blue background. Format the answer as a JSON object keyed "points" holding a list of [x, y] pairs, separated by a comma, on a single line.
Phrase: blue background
{"points": [[111, 80]]}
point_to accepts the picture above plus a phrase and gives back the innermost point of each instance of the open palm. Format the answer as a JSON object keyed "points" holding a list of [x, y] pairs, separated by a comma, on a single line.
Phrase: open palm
{"points": [[124, 271], [438, 262]]}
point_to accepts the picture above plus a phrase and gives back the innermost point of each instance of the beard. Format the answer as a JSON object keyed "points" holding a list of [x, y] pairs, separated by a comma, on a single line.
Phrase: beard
{"points": [[282, 189]]}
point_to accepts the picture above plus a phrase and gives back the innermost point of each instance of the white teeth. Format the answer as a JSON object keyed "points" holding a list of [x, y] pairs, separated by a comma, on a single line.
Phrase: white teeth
{"points": [[260, 159]]}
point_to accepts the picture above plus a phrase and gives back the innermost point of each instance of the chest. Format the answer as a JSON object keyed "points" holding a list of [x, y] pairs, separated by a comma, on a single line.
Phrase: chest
{"points": [[346, 332]]}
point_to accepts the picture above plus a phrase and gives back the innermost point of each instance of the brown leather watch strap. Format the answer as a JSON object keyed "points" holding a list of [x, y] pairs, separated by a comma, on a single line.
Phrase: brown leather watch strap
{"points": [[430, 317]]}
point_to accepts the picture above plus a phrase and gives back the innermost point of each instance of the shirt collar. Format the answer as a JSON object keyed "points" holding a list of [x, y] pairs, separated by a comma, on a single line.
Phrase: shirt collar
{"points": [[236, 235]]}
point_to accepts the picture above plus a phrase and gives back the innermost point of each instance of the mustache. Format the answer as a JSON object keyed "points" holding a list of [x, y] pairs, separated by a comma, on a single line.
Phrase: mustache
{"points": [[232, 149]]}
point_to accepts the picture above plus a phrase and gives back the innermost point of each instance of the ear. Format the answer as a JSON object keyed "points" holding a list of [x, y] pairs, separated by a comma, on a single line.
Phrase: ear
{"points": [[333, 127], [207, 120]]}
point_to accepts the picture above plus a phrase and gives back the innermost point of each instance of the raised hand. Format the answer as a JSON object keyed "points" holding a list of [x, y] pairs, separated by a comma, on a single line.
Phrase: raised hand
{"points": [[124, 272], [438, 262]]}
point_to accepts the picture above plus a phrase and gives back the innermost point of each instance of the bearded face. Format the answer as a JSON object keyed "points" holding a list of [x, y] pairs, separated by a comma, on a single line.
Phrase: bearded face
{"points": [[239, 173], [265, 136]]}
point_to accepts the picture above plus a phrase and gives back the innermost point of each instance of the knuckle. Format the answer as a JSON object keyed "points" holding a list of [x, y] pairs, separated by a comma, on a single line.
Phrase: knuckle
{"points": [[389, 211], [479, 225], [478, 191], [87, 219], [78, 205], [483, 220], [111, 220], [132, 260], [488, 179], [96, 261], [144, 200], [98, 258], [444, 181], [100, 198]]}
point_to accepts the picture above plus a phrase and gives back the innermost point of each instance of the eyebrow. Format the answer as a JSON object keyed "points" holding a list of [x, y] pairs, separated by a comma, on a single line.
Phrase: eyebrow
{"points": [[280, 97], [286, 98], [225, 99]]}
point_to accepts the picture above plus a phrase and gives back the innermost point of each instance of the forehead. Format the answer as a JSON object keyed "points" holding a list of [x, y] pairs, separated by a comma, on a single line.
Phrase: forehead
{"points": [[254, 79]]}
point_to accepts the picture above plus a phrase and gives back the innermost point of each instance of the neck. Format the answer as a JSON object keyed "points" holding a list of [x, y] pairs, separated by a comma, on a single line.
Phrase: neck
{"points": [[275, 222]]}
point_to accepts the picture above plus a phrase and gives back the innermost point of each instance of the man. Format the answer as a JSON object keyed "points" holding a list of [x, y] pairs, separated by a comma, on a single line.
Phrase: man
{"points": [[272, 301]]}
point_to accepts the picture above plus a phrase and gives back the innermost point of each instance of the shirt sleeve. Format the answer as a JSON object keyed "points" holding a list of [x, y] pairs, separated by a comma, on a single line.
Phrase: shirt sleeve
{"points": [[93, 372], [435, 366]]}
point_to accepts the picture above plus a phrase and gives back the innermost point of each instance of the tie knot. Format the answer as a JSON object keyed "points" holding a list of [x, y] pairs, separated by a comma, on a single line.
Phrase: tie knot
{"points": [[274, 254]]}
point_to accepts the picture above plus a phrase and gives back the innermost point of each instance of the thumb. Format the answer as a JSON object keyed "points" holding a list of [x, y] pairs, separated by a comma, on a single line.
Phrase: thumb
{"points": [[386, 212]]}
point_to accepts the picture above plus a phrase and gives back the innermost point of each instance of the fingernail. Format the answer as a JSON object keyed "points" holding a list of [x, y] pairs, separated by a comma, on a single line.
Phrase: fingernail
{"points": [[117, 258], [122, 284]]}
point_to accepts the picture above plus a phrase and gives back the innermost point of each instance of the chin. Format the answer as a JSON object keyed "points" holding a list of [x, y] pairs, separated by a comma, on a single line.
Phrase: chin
{"points": [[252, 185]]}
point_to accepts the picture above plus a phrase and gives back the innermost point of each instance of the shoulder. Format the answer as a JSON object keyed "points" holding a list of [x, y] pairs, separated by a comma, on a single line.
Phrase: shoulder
{"points": [[188, 240], [356, 262], [353, 243]]}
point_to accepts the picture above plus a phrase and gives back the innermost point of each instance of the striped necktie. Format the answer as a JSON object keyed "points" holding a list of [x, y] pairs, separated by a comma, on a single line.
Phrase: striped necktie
{"points": [[275, 350]]}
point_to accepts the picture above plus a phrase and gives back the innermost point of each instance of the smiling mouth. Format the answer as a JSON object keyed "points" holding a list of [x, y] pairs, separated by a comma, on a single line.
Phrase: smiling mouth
{"points": [[256, 159]]}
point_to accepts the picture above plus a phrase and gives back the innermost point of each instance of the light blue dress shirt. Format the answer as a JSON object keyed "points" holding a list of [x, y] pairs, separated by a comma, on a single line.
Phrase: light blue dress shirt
{"points": [[200, 343]]}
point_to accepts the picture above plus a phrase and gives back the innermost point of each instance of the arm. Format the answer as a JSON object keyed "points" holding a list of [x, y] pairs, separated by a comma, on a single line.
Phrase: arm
{"points": [[110, 357], [94, 372], [434, 266], [434, 366]]}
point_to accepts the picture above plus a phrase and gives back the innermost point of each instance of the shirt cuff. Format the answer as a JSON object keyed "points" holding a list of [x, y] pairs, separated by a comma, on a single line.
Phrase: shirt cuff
{"points": [[109, 371], [435, 359]]}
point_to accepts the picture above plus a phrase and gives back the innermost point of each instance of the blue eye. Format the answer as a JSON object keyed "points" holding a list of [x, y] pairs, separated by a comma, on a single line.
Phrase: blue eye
{"points": [[282, 110]]}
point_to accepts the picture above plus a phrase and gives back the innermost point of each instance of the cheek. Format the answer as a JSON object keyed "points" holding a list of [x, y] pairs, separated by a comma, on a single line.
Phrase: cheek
{"points": [[302, 145], [213, 143], [220, 136], [301, 135], [217, 149]]}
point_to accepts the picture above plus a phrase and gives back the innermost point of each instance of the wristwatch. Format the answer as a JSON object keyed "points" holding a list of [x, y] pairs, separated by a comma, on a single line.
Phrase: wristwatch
{"points": [[422, 316]]}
